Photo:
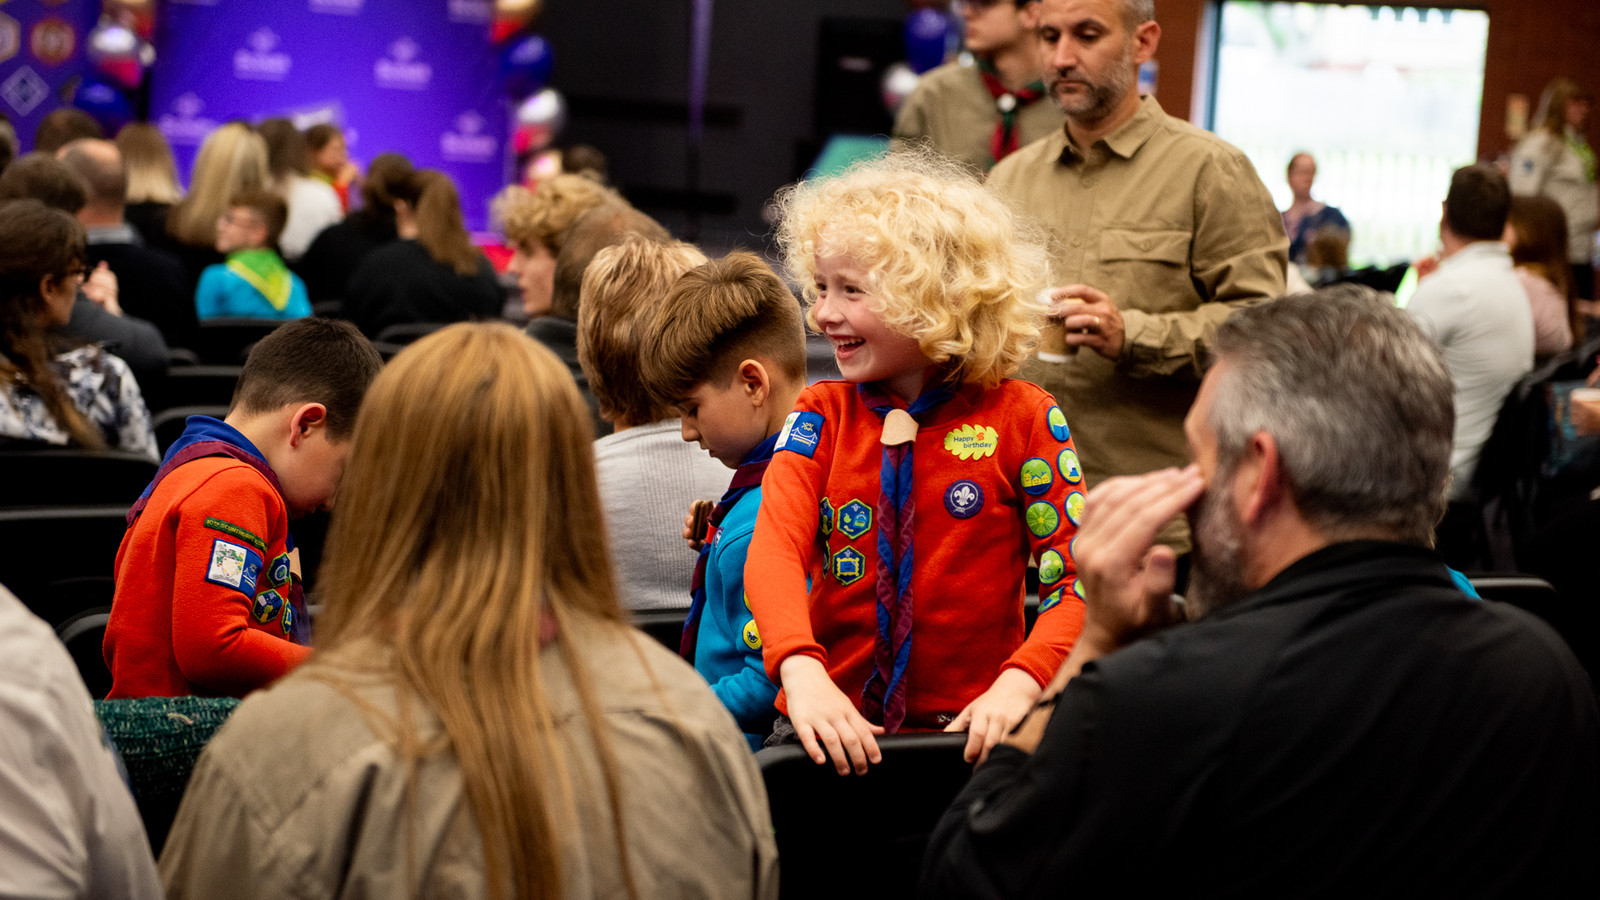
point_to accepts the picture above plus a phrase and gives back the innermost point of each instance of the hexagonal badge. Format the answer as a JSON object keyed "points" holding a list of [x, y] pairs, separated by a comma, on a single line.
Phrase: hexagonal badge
{"points": [[855, 519], [825, 517], [848, 566]]}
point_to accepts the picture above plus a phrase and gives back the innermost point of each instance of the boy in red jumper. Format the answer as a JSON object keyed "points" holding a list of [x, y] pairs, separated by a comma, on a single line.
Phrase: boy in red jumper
{"points": [[208, 595], [914, 492]]}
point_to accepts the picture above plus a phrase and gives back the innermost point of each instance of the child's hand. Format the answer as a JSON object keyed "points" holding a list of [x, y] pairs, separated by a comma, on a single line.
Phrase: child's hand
{"points": [[994, 713], [694, 524], [824, 717]]}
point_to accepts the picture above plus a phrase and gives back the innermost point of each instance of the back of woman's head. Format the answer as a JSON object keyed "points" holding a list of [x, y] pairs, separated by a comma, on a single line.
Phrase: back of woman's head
{"points": [[233, 159], [1540, 230], [440, 230], [472, 458], [378, 190], [1551, 116], [287, 152], [37, 241], [466, 534], [152, 172]]}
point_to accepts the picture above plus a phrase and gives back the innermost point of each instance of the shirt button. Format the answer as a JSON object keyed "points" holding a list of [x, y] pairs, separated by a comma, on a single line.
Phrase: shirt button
{"points": [[1089, 182], [1077, 242]]}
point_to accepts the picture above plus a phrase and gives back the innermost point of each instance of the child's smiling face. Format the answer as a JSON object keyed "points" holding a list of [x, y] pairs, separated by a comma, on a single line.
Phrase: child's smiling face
{"points": [[865, 348]]}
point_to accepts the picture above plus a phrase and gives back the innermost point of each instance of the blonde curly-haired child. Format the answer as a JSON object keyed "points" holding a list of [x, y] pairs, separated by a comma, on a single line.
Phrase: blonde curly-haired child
{"points": [[913, 492]]}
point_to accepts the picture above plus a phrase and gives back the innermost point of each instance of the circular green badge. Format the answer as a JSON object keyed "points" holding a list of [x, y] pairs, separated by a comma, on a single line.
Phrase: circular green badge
{"points": [[1071, 469], [1051, 567], [1058, 423], [1036, 476], [1042, 519], [1074, 507]]}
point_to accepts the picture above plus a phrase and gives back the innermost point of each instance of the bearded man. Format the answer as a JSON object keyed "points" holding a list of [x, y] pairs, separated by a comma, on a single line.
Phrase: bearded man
{"points": [[1337, 719], [1163, 229]]}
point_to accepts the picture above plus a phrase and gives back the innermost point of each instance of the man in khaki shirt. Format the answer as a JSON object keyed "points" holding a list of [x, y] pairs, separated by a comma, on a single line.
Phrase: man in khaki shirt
{"points": [[981, 112], [1163, 230]]}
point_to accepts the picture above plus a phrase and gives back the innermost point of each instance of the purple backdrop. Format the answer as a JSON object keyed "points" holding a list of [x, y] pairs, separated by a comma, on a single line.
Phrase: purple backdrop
{"points": [[417, 77], [41, 54]]}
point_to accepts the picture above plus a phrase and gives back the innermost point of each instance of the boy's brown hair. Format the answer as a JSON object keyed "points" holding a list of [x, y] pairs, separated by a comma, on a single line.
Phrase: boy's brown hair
{"points": [[716, 315], [325, 361], [621, 287], [594, 231], [268, 207]]}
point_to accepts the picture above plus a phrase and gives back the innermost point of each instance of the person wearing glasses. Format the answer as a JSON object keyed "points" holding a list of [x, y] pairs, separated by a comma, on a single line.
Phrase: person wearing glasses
{"points": [[51, 394], [980, 110]]}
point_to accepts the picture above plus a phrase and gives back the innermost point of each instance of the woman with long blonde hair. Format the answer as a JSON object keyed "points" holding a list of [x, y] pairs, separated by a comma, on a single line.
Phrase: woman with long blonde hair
{"points": [[232, 160], [152, 179], [477, 721]]}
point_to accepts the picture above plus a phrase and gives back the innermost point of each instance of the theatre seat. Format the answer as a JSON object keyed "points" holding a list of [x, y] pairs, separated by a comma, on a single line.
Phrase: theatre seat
{"points": [[84, 634], [664, 625], [159, 739], [67, 476], [59, 560], [226, 341], [861, 835]]}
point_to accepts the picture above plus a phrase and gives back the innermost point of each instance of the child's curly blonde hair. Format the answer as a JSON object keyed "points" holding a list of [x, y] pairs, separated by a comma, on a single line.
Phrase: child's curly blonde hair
{"points": [[949, 263]]}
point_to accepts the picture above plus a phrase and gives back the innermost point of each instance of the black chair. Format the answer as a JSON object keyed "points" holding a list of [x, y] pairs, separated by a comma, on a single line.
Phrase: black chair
{"points": [[169, 423], [193, 386], [71, 477], [60, 560], [665, 626], [406, 332], [871, 829], [182, 356], [226, 342], [83, 635], [328, 309], [1572, 618]]}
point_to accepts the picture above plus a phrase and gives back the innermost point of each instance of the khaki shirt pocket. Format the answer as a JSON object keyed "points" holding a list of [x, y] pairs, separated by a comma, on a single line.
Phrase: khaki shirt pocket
{"points": [[1147, 270]]}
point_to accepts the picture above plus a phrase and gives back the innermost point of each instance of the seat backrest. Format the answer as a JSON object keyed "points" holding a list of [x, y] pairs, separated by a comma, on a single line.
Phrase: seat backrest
{"points": [[47, 550], [159, 739], [404, 333], [84, 635], [70, 476], [226, 341], [169, 423], [861, 835], [193, 386], [664, 625]]}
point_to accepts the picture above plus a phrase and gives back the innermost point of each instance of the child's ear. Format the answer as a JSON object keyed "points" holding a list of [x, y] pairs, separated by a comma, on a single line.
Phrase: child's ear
{"points": [[753, 379], [307, 418]]}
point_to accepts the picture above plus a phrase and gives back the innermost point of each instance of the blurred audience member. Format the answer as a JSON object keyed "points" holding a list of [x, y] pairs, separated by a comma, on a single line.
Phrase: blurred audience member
{"points": [[232, 160], [341, 248], [536, 224], [150, 283], [476, 704], [433, 273], [97, 317], [586, 160], [330, 160], [253, 282], [61, 127], [1306, 219], [598, 229], [1556, 161], [8, 142], [313, 204], [84, 396], [1536, 234], [68, 827], [152, 179]]}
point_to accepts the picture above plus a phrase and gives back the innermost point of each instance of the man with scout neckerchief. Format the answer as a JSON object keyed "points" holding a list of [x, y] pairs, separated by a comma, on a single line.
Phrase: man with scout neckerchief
{"points": [[980, 113]]}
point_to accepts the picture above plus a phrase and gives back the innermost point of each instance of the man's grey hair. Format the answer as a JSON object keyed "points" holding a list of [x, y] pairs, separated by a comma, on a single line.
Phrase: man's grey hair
{"points": [[1357, 400], [1138, 12]]}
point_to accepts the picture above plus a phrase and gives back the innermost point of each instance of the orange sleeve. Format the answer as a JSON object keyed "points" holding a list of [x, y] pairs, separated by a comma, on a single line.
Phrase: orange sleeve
{"points": [[783, 550], [1053, 490], [223, 543]]}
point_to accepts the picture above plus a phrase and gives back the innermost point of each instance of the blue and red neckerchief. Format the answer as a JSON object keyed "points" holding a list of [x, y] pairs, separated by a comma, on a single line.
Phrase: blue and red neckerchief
{"points": [[883, 699], [745, 479]]}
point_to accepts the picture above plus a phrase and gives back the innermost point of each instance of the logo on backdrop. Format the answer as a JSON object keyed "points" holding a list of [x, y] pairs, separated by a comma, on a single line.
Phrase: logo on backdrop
{"points": [[472, 12], [184, 125], [10, 37], [261, 61], [401, 70], [52, 41], [337, 7], [24, 90], [467, 143]]}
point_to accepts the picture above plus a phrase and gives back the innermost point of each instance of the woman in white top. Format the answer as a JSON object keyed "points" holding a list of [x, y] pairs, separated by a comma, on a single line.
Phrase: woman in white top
{"points": [[1556, 161], [1536, 234], [313, 204]]}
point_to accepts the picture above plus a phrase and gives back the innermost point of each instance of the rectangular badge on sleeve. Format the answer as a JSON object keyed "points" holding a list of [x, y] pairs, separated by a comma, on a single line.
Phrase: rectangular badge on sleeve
{"points": [[801, 432], [233, 566]]}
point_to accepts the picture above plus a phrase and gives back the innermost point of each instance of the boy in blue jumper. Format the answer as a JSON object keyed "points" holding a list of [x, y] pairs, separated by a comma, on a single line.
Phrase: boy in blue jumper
{"points": [[729, 353], [253, 282]]}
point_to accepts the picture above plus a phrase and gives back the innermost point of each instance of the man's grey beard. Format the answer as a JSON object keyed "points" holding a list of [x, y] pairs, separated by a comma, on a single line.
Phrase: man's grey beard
{"points": [[1216, 577]]}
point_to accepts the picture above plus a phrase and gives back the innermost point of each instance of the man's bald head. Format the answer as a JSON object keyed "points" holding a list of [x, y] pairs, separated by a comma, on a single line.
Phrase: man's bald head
{"points": [[99, 164]]}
